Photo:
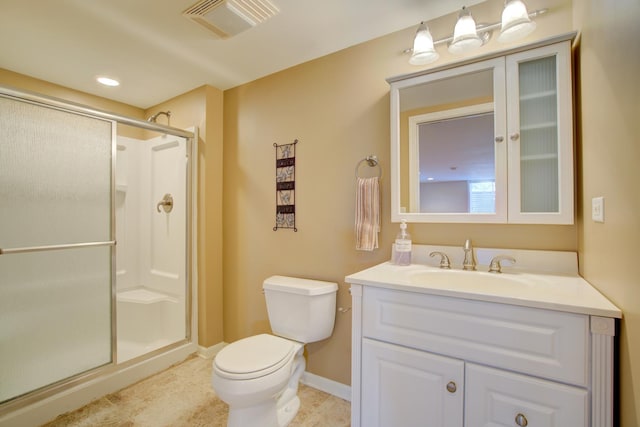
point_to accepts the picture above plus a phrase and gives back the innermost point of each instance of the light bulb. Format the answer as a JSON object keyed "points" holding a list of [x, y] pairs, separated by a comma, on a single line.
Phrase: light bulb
{"points": [[465, 36], [516, 23], [423, 50]]}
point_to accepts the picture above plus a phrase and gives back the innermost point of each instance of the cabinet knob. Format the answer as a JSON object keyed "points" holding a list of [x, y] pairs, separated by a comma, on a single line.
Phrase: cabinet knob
{"points": [[514, 136], [499, 138], [521, 420], [451, 387]]}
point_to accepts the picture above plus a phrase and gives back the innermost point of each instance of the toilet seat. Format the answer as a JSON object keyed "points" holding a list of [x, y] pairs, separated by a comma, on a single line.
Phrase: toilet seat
{"points": [[253, 357]]}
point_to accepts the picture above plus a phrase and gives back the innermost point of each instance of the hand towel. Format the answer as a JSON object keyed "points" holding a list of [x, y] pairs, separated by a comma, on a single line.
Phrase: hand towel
{"points": [[367, 213]]}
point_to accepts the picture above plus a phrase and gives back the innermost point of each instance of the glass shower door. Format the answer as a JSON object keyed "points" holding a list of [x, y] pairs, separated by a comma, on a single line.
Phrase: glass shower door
{"points": [[56, 245]]}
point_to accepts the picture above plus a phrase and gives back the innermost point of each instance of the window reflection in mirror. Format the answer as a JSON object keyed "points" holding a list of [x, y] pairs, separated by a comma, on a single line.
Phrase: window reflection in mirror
{"points": [[447, 156], [454, 152]]}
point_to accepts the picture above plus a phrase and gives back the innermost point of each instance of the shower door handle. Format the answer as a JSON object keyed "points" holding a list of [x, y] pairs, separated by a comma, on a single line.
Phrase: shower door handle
{"points": [[28, 249], [166, 203]]}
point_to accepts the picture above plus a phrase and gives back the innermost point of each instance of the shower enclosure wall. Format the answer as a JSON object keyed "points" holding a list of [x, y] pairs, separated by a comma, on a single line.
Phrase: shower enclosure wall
{"points": [[95, 265], [150, 255]]}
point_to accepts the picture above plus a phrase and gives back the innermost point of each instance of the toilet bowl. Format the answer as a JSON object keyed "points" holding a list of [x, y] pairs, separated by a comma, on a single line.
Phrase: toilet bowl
{"points": [[258, 376]]}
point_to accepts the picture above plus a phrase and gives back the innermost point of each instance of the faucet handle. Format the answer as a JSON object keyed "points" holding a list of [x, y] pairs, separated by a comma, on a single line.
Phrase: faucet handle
{"points": [[496, 267], [444, 259]]}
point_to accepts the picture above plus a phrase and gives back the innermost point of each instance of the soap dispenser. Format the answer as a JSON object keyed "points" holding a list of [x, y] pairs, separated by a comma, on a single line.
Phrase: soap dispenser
{"points": [[402, 246]]}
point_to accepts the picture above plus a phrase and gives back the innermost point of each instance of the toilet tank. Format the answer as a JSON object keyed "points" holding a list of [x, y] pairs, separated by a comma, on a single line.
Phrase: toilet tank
{"points": [[302, 310]]}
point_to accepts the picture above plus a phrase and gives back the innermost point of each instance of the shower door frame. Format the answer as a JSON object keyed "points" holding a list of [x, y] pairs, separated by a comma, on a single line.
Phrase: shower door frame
{"points": [[191, 221]]}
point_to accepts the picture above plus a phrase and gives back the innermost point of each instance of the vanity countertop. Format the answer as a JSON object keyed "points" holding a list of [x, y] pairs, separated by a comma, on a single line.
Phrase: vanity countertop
{"points": [[553, 291]]}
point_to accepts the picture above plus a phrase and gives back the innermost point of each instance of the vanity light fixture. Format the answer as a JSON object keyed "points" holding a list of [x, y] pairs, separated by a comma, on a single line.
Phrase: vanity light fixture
{"points": [[516, 23], [423, 50], [465, 34]]}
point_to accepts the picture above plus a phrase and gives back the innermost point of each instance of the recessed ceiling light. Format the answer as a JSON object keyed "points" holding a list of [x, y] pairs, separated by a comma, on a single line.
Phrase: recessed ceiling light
{"points": [[107, 81]]}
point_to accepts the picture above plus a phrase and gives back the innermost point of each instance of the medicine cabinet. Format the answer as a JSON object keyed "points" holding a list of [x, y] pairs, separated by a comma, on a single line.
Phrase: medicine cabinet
{"points": [[486, 141]]}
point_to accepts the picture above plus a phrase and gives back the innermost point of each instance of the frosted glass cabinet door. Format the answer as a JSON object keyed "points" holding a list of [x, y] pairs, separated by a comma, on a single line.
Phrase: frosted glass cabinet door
{"points": [[406, 387], [540, 135]]}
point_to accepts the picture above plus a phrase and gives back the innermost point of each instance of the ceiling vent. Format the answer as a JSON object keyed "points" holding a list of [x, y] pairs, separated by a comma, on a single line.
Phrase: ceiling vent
{"points": [[226, 18]]}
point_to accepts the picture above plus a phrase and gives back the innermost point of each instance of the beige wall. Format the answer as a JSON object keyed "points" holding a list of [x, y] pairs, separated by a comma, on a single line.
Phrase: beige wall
{"points": [[200, 108], [609, 155], [338, 107]]}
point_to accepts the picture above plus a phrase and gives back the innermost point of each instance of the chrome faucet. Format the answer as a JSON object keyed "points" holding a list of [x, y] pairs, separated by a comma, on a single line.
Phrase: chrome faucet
{"points": [[496, 267], [469, 262], [444, 259]]}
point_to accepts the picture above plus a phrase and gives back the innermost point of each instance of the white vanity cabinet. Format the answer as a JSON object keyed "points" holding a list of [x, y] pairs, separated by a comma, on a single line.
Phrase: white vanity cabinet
{"points": [[500, 398], [407, 387], [425, 357]]}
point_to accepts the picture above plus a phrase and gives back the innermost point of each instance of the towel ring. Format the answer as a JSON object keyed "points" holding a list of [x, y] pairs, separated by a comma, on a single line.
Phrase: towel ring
{"points": [[372, 161]]}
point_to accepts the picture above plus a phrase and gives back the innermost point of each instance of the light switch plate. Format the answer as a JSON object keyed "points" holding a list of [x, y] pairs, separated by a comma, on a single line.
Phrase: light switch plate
{"points": [[597, 209]]}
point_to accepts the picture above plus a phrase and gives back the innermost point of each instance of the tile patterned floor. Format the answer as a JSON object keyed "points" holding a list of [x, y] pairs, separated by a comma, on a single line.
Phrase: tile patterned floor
{"points": [[181, 396]]}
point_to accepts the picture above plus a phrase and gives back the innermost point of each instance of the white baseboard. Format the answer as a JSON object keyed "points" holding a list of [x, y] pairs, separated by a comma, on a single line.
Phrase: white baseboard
{"points": [[334, 388], [210, 352]]}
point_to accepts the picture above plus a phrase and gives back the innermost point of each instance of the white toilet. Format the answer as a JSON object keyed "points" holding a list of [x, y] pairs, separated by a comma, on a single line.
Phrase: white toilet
{"points": [[258, 376]]}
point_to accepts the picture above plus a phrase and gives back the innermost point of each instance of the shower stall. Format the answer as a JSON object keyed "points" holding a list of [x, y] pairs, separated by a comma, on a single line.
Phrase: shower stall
{"points": [[96, 269], [151, 235]]}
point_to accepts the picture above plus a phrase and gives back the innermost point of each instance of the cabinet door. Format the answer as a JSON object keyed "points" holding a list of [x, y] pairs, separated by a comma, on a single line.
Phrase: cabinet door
{"points": [[406, 387], [540, 135], [498, 398]]}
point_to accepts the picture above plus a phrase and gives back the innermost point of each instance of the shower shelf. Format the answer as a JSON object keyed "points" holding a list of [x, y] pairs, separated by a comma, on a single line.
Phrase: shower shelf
{"points": [[143, 296], [121, 188]]}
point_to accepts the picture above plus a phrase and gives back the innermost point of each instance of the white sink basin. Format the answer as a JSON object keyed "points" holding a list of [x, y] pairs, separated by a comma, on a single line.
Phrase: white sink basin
{"points": [[466, 279], [552, 291]]}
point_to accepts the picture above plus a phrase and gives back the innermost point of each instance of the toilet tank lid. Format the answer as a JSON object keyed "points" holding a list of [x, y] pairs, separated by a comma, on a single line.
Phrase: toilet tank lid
{"points": [[297, 285]]}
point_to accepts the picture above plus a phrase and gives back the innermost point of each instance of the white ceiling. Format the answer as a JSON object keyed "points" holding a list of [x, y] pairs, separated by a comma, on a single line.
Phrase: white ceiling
{"points": [[157, 53]]}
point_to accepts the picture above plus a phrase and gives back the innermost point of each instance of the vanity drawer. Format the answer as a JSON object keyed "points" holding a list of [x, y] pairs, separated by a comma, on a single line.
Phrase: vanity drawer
{"points": [[498, 398], [545, 343]]}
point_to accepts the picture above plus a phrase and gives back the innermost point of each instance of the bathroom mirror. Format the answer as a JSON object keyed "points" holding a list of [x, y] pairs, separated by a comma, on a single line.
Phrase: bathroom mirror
{"points": [[447, 163], [486, 140]]}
